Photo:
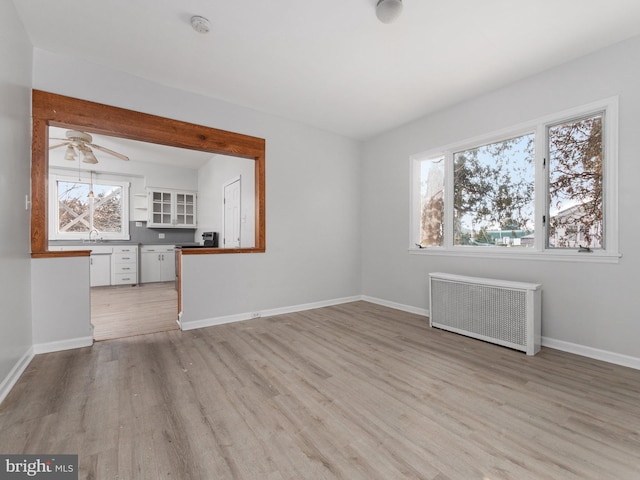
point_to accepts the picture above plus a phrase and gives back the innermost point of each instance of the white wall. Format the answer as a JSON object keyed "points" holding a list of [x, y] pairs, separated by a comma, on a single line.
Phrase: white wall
{"points": [[61, 304], [312, 196], [587, 305], [15, 147], [212, 177]]}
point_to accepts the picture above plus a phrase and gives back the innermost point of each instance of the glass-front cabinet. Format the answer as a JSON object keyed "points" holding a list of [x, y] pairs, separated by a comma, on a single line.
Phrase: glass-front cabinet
{"points": [[186, 209], [172, 209]]}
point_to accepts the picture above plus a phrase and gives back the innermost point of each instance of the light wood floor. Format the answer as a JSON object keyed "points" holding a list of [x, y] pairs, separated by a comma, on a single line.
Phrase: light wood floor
{"points": [[124, 311], [355, 391]]}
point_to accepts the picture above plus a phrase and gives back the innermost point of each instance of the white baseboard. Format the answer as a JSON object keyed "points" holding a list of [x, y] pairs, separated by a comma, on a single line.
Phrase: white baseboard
{"points": [[210, 322], [15, 373], [62, 345], [590, 352], [398, 306]]}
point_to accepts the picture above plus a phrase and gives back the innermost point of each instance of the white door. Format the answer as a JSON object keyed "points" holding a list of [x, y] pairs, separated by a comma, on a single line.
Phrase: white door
{"points": [[232, 215], [168, 266], [100, 271], [149, 267]]}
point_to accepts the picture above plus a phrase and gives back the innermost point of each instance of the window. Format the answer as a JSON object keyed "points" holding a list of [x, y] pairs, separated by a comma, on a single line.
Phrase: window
{"points": [[81, 206], [548, 187], [575, 183], [493, 193], [432, 202]]}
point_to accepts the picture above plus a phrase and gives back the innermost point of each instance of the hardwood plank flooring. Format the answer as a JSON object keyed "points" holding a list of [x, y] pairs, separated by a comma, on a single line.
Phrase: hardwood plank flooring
{"points": [[125, 311], [354, 391]]}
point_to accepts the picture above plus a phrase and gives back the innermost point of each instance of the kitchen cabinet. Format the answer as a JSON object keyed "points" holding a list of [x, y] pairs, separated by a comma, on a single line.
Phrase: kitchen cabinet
{"points": [[157, 263], [124, 265], [171, 209], [100, 270], [140, 210], [108, 264]]}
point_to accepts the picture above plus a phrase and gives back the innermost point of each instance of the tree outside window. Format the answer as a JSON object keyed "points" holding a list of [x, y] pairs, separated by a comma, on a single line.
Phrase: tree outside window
{"points": [[495, 200], [83, 207], [575, 184], [493, 188]]}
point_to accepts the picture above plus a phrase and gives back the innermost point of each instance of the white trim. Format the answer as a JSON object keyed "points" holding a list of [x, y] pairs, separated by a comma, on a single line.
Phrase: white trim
{"points": [[590, 352], [209, 322], [398, 306], [54, 178], [61, 345], [523, 254], [14, 375]]}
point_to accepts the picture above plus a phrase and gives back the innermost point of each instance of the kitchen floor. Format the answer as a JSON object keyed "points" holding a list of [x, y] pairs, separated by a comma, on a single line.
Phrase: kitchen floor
{"points": [[125, 311]]}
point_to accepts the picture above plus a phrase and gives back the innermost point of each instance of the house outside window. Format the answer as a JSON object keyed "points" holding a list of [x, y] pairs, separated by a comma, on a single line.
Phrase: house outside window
{"points": [[80, 207], [576, 208], [546, 188]]}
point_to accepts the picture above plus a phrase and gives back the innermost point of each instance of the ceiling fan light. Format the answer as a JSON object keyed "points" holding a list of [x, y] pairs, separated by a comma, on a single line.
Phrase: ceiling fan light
{"points": [[70, 153], [388, 10], [89, 157]]}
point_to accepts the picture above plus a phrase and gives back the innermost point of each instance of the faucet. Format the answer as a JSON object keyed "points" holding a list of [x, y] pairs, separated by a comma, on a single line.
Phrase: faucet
{"points": [[91, 233]]}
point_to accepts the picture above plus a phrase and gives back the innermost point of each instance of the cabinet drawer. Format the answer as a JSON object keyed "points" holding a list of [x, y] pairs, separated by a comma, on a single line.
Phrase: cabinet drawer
{"points": [[128, 249], [124, 279], [158, 249], [125, 268], [125, 258]]}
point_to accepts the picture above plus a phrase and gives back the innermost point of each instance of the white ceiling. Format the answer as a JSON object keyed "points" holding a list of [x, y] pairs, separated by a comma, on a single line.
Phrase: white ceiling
{"points": [[331, 63]]}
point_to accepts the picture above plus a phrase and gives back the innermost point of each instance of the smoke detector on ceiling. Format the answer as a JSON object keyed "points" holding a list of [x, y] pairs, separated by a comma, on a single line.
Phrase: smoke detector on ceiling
{"points": [[200, 24]]}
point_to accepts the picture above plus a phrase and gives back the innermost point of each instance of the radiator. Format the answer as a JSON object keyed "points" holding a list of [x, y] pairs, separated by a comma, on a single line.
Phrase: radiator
{"points": [[497, 311]]}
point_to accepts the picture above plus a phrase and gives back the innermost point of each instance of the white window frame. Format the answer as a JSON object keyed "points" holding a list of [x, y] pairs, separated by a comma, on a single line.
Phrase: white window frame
{"points": [[609, 254], [54, 234]]}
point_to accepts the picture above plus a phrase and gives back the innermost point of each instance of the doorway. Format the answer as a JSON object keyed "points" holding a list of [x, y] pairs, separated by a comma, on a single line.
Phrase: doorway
{"points": [[124, 310], [232, 196]]}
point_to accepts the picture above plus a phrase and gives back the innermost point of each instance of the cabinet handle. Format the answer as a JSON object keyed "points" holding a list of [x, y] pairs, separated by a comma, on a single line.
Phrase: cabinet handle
{"points": [[126, 268], [163, 257], [126, 258], [158, 257]]}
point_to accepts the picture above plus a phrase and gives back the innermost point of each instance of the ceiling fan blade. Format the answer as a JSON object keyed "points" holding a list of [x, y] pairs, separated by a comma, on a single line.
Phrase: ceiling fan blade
{"points": [[59, 145], [110, 152]]}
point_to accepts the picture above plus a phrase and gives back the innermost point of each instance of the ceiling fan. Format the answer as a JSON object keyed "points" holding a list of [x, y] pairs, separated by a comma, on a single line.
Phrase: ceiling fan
{"points": [[80, 143]]}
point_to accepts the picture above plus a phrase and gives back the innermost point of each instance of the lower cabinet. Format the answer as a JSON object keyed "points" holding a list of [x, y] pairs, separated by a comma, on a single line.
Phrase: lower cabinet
{"points": [[124, 265], [157, 263], [100, 270], [108, 264]]}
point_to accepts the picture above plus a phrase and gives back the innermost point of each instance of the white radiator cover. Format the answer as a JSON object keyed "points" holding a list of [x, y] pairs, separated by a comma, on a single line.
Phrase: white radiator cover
{"points": [[502, 312]]}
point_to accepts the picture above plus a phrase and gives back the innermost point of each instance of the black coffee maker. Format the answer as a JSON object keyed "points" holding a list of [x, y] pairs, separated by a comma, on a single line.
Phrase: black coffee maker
{"points": [[210, 239]]}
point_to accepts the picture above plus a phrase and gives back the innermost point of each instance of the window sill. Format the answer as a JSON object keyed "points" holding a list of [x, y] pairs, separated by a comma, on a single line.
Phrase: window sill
{"points": [[504, 253]]}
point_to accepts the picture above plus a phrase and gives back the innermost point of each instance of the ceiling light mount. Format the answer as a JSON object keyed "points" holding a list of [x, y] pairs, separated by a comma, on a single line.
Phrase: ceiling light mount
{"points": [[200, 24], [388, 11]]}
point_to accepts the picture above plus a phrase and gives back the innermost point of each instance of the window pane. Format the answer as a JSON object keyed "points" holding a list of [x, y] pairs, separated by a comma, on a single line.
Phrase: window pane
{"points": [[73, 207], [432, 202], [494, 194], [107, 208], [575, 184]]}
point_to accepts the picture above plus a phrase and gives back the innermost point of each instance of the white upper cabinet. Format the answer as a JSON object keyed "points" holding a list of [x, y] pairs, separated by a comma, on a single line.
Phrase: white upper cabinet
{"points": [[171, 209]]}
